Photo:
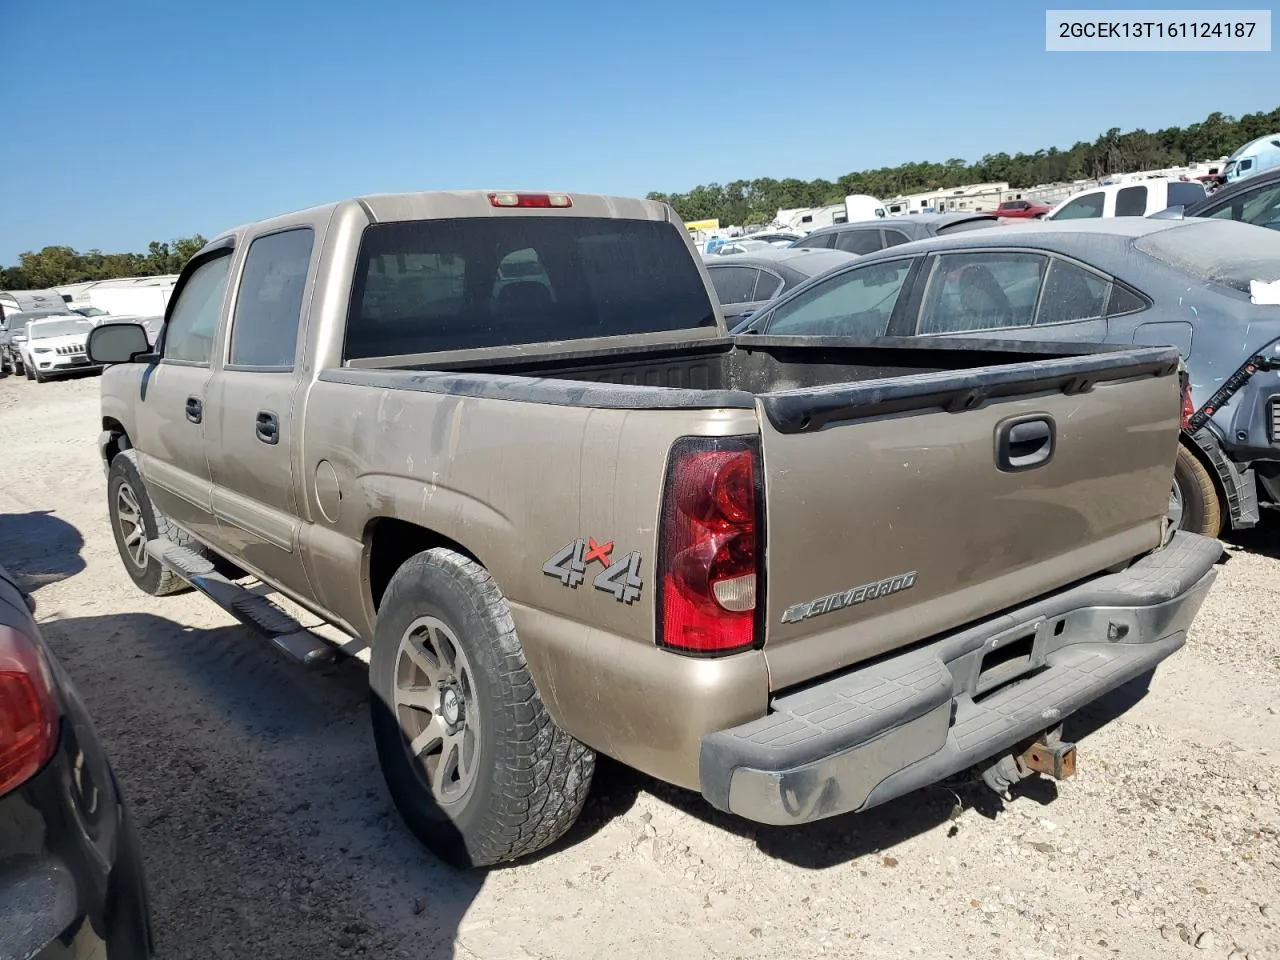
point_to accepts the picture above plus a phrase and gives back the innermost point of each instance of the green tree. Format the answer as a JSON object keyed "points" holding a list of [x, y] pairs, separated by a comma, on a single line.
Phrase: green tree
{"points": [[757, 201]]}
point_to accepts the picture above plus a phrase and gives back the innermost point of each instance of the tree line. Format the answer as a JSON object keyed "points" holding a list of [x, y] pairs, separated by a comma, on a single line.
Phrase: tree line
{"points": [[758, 201], [54, 266]]}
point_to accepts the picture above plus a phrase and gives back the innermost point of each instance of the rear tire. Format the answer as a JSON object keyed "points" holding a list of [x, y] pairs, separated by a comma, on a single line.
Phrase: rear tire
{"points": [[134, 521], [1193, 486], [448, 675]]}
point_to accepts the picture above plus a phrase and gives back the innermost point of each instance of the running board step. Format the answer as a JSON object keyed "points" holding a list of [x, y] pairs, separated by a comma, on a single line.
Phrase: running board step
{"points": [[249, 608]]}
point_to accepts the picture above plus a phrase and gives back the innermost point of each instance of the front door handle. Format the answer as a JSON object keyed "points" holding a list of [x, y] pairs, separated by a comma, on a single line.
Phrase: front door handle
{"points": [[267, 427], [1025, 443], [195, 409]]}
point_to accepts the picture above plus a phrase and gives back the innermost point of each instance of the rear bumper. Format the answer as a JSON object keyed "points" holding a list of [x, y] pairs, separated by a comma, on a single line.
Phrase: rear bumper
{"points": [[881, 730]]}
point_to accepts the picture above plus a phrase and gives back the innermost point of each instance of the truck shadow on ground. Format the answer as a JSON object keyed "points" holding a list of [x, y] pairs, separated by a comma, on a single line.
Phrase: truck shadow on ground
{"points": [[39, 548], [1264, 539], [254, 781], [838, 840]]}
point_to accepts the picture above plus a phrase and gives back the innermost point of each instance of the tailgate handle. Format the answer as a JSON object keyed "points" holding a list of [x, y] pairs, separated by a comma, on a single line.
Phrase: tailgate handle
{"points": [[1024, 443]]}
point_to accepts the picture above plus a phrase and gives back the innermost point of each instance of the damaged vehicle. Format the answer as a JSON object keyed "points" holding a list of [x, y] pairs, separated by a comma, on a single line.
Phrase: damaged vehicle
{"points": [[1185, 283], [561, 512]]}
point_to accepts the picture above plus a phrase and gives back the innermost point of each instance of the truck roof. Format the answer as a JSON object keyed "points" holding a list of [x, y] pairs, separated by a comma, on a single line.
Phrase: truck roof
{"points": [[451, 204]]}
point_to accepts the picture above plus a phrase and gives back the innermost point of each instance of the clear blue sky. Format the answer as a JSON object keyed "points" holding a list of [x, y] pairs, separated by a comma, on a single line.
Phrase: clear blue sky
{"points": [[130, 121]]}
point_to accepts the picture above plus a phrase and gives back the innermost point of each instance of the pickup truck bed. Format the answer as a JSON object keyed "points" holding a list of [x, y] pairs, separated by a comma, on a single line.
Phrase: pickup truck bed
{"points": [[505, 442]]}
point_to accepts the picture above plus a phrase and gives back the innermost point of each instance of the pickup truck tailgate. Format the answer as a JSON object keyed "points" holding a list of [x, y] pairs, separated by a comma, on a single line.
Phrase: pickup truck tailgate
{"points": [[899, 509]]}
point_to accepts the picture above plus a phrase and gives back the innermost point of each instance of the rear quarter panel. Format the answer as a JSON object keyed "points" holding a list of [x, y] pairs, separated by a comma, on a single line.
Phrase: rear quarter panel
{"points": [[514, 483]]}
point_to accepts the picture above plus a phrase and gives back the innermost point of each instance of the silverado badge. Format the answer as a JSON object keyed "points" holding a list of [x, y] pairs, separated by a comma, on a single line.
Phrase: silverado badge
{"points": [[848, 598]]}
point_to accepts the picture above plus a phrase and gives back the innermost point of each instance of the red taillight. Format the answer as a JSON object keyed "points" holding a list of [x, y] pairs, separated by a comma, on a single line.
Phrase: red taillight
{"points": [[530, 200], [1188, 406], [710, 548], [28, 713]]}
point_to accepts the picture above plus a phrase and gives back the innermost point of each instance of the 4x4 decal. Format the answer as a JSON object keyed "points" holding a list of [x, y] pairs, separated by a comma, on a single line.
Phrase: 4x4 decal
{"points": [[619, 577]]}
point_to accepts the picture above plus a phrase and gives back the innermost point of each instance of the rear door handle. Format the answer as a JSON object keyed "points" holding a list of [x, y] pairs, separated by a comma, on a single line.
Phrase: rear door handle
{"points": [[1025, 443], [195, 409], [267, 427]]}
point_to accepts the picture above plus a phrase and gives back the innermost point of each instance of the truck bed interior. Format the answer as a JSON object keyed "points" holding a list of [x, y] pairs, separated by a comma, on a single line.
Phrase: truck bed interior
{"points": [[760, 365]]}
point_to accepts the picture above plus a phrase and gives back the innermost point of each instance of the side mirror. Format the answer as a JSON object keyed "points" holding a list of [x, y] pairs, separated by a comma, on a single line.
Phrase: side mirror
{"points": [[117, 343]]}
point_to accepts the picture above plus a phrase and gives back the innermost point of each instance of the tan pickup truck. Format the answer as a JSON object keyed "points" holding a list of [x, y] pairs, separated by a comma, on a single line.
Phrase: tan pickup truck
{"points": [[504, 444]]}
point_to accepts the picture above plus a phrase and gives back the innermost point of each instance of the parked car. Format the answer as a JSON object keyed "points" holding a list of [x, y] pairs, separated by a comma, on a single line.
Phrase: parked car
{"points": [[742, 245], [1255, 157], [1255, 200], [71, 880], [55, 346], [1139, 198], [1124, 281], [13, 334], [777, 239], [746, 282], [868, 236], [540, 514], [1022, 209]]}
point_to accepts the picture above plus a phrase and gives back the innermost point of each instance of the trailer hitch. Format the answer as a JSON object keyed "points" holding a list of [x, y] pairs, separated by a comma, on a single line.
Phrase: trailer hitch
{"points": [[1047, 754]]}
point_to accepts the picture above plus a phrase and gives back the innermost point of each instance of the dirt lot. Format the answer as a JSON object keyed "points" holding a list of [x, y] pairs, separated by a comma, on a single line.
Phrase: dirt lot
{"points": [[268, 832]]}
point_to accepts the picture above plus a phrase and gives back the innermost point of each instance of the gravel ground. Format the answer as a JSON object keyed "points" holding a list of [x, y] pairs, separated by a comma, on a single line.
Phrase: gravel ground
{"points": [[268, 833]]}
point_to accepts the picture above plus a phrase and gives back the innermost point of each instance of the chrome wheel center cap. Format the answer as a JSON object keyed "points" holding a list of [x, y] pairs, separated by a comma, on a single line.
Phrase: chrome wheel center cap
{"points": [[451, 706]]}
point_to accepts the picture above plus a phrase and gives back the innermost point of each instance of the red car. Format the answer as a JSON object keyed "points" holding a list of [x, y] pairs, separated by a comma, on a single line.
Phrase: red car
{"points": [[1026, 209]]}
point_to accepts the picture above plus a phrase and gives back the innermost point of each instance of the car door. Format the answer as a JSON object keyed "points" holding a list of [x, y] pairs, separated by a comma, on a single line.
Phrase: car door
{"points": [[253, 471], [1023, 294], [171, 429]]}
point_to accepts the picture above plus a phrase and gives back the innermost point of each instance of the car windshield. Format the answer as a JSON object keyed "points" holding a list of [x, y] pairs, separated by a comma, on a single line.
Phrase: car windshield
{"points": [[16, 321], [1220, 251], [57, 328], [90, 312]]}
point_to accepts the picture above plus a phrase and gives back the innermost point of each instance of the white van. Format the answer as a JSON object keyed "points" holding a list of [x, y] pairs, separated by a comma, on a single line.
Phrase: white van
{"points": [[1254, 157], [1136, 198]]}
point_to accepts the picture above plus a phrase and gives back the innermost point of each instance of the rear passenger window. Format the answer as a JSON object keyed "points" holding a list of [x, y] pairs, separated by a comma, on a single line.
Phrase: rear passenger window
{"points": [[264, 330], [822, 241], [982, 291], [733, 284], [193, 322], [1131, 202], [859, 241], [1124, 300], [1071, 293], [767, 286], [894, 237]]}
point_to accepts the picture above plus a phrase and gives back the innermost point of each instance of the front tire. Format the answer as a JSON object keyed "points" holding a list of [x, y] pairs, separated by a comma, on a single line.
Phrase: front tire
{"points": [[1194, 499], [134, 521], [475, 765]]}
